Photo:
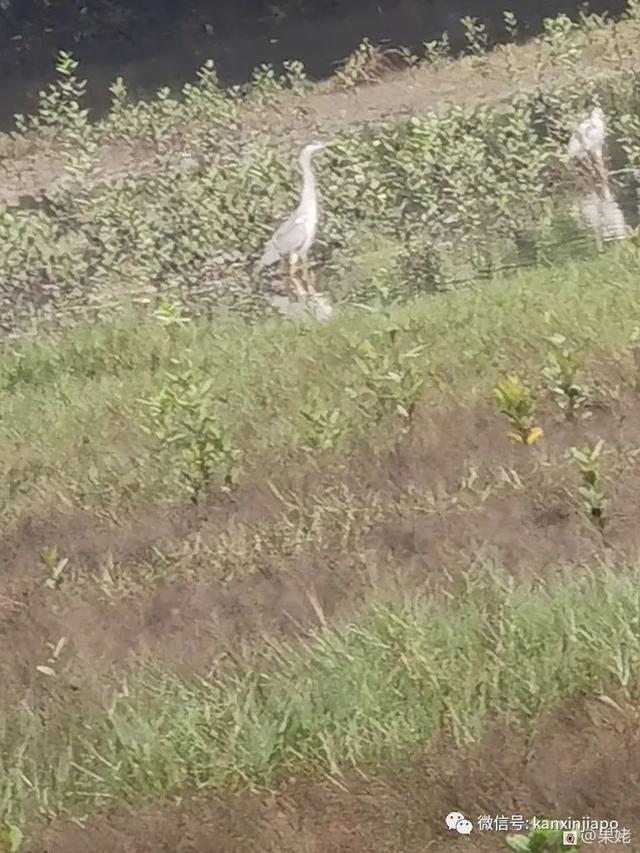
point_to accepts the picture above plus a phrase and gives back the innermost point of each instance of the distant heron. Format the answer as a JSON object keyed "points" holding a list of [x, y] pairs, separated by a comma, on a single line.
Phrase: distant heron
{"points": [[598, 205], [587, 143], [295, 236]]}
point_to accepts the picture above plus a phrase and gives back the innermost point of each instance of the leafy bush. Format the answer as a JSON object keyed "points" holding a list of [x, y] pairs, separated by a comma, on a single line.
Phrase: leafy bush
{"points": [[457, 189]]}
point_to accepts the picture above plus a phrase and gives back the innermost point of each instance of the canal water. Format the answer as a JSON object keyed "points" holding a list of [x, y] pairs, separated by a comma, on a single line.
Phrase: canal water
{"points": [[164, 42]]}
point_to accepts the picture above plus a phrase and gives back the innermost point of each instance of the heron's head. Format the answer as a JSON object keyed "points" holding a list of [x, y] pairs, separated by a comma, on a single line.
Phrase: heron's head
{"points": [[313, 147]]}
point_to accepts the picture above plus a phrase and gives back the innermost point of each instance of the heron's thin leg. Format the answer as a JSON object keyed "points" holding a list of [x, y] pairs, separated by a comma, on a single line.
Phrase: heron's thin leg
{"points": [[295, 281], [603, 173], [305, 274], [309, 278], [295, 267], [599, 171], [590, 168]]}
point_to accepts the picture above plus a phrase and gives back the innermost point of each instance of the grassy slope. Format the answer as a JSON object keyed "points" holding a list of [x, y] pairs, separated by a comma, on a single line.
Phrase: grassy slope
{"points": [[71, 405], [381, 684]]}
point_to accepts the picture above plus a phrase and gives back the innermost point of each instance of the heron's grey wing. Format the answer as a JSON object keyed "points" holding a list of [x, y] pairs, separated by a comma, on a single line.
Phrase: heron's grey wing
{"points": [[291, 235], [577, 143], [270, 256], [593, 137], [288, 239]]}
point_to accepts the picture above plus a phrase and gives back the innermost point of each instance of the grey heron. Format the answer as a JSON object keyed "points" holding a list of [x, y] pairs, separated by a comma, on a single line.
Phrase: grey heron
{"points": [[293, 239], [587, 142]]}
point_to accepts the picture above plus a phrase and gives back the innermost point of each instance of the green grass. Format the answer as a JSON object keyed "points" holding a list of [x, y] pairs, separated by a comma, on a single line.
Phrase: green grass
{"points": [[73, 416], [372, 691]]}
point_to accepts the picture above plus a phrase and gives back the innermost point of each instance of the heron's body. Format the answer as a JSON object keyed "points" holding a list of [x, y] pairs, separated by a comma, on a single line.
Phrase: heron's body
{"points": [[587, 143], [597, 205], [589, 136], [294, 238]]}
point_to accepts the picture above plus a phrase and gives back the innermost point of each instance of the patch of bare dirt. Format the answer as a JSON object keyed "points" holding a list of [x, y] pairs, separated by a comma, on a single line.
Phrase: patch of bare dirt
{"points": [[584, 761], [86, 540], [442, 446]]}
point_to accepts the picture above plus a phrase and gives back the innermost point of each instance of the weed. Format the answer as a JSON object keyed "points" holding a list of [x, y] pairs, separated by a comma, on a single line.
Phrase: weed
{"points": [[405, 57], [391, 380], [325, 425], [61, 114], [363, 66], [265, 85], [559, 35], [58, 108], [171, 316], [55, 649], [438, 50], [296, 76], [592, 491], [477, 40], [561, 373], [592, 22], [119, 102], [511, 27], [516, 403], [55, 565], [11, 838], [190, 436]]}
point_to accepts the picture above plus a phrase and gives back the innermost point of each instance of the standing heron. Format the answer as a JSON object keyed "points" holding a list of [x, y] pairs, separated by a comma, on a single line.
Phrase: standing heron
{"points": [[295, 236], [598, 205], [587, 143]]}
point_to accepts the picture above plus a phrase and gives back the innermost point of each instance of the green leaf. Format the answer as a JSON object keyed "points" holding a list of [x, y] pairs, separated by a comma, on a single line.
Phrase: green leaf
{"points": [[557, 340], [11, 838]]}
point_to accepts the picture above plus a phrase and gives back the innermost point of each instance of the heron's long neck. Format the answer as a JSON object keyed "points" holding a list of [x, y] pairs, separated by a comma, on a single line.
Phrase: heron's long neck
{"points": [[308, 197]]}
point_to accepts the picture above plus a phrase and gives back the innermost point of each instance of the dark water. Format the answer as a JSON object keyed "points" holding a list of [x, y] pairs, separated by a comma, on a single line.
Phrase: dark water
{"points": [[163, 42]]}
